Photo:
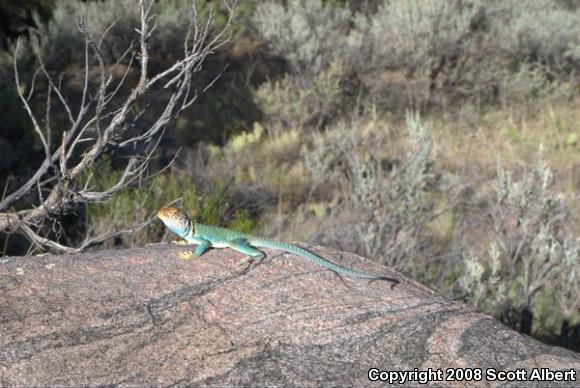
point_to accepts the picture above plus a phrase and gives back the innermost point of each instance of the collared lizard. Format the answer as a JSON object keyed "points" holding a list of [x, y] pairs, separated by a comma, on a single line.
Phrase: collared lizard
{"points": [[206, 237]]}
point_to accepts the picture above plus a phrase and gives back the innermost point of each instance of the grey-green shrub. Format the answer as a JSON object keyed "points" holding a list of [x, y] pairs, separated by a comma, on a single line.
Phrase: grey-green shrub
{"points": [[533, 251], [286, 103], [308, 36], [541, 31], [383, 213], [304, 32], [567, 289], [446, 46], [441, 49], [61, 43], [531, 83]]}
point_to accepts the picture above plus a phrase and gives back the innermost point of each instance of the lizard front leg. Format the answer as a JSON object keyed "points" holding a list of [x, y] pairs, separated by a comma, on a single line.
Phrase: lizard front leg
{"points": [[202, 247]]}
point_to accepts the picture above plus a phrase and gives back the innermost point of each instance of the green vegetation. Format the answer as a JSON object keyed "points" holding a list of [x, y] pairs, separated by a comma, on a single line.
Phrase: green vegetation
{"points": [[437, 137], [140, 203]]}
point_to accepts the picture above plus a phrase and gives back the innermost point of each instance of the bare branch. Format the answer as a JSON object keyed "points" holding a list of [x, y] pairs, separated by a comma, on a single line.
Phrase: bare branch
{"points": [[101, 126], [25, 102]]}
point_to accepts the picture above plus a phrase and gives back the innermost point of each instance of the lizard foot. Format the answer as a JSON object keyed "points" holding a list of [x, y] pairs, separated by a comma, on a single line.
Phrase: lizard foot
{"points": [[179, 242], [187, 255], [246, 263]]}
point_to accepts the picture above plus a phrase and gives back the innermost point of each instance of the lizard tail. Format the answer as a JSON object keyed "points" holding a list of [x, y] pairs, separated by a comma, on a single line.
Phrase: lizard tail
{"points": [[290, 248]]}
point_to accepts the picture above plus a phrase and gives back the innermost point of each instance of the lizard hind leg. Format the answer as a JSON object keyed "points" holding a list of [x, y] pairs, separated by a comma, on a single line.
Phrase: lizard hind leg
{"points": [[241, 245]]}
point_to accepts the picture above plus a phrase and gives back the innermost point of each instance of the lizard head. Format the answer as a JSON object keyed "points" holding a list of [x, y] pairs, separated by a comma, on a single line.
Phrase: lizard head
{"points": [[175, 219]]}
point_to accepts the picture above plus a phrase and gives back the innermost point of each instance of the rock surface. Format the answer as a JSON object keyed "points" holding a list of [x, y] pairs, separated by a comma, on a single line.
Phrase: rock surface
{"points": [[144, 317]]}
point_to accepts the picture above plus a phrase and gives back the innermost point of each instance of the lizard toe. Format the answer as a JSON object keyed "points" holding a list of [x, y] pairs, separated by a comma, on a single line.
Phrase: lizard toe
{"points": [[187, 255]]}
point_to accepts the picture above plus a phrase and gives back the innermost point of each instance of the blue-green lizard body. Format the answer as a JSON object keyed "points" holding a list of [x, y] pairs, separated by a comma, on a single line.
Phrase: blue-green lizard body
{"points": [[206, 237]]}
